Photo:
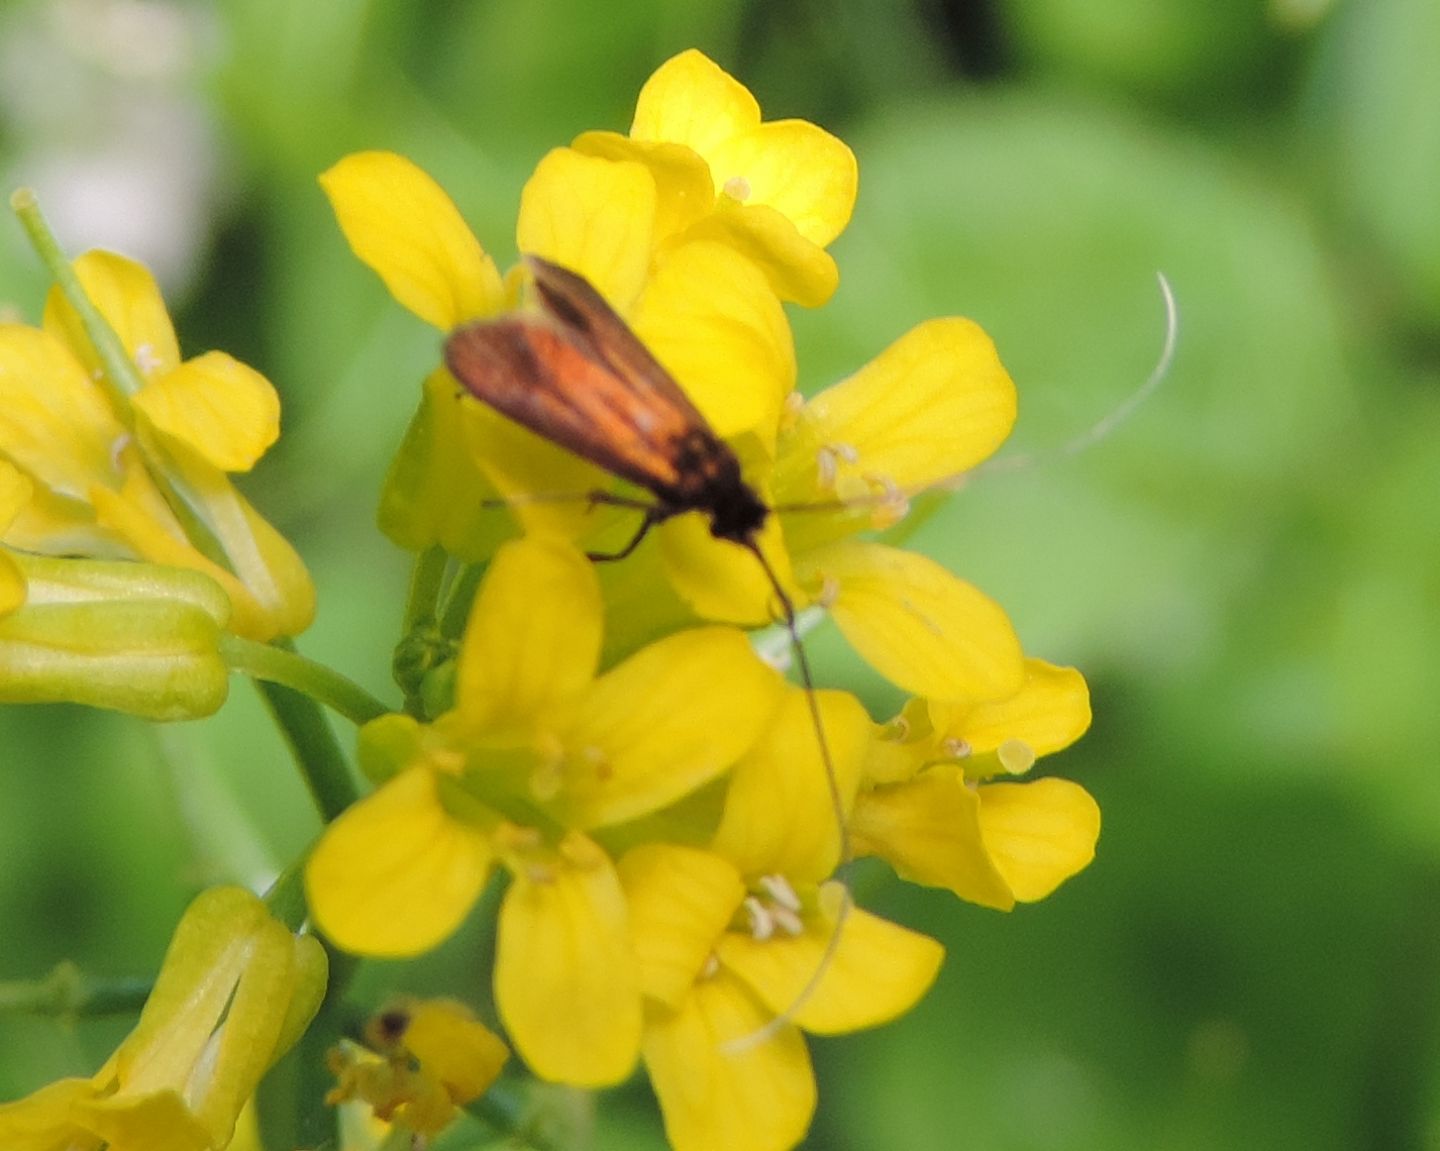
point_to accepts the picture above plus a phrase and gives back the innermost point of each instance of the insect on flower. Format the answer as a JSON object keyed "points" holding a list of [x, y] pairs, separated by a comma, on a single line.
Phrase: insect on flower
{"points": [[577, 375]]}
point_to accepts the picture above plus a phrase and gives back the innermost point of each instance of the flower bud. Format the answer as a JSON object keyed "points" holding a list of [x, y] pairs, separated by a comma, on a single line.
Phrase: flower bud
{"points": [[235, 991], [132, 637]]}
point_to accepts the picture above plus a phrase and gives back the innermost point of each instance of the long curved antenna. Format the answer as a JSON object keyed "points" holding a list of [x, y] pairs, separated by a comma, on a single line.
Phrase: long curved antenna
{"points": [[1112, 419], [1086, 439], [777, 1023]]}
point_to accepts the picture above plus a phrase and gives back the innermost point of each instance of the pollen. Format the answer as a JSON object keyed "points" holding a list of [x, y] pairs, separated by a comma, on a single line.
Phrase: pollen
{"points": [[762, 923], [892, 506], [146, 359], [828, 459], [956, 748], [738, 188], [776, 912], [778, 888], [1016, 756]]}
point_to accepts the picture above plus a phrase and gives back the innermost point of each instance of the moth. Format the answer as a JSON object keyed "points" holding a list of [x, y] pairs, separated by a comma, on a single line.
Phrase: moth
{"points": [[578, 376]]}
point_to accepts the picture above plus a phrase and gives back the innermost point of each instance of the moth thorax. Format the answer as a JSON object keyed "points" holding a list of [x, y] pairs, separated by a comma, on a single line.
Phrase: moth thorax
{"points": [[736, 512]]}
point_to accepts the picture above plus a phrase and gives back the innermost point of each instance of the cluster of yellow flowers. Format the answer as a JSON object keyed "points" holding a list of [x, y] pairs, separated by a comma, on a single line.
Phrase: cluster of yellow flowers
{"points": [[607, 737]]}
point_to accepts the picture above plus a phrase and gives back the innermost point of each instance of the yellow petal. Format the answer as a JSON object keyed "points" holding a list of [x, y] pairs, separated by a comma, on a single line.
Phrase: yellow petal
{"points": [[711, 319], [156, 1122], [401, 223], [691, 100], [780, 812], [129, 298], [262, 559], [16, 491], [877, 971], [454, 1047], [546, 486], [1039, 834], [721, 580], [151, 534], [681, 900], [1050, 711], [798, 270], [928, 829], [566, 980], [919, 626], [54, 421], [684, 190], [795, 167], [667, 720], [594, 217], [901, 747], [932, 405], [759, 1098], [216, 406], [44, 1120], [396, 873], [435, 492], [533, 639]]}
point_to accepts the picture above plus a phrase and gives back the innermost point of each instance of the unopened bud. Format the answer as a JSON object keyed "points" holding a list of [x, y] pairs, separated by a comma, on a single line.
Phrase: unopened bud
{"points": [[131, 637]]}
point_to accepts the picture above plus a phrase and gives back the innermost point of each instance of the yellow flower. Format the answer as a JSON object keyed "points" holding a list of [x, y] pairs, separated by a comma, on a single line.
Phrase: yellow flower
{"points": [[235, 991], [778, 192], [713, 986], [636, 220], [123, 477], [433, 1058], [732, 937], [655, 222], [706, 311], [537, 756], [935, 403], [932, 807]]}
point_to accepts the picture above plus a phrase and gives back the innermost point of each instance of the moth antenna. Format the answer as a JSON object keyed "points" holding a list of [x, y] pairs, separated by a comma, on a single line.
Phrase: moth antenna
{"points": [[1018, 462], [774, 1026], [1108, 422], [595, 498]]}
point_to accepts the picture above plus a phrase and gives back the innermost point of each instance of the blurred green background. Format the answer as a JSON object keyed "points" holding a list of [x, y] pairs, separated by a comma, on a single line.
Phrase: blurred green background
{"points": [[1248, 571]]}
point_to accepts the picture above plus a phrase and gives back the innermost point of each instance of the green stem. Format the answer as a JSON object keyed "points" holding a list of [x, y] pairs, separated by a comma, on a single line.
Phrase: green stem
{"points": [[317, 753], [541, 1117], [286, 897], [121, 376], [289, 668], [461, 595], [425, 579], [69, 994], [287, 903]]}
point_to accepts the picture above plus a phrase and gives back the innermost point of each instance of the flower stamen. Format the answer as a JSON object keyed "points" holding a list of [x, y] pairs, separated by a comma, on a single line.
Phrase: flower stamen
{"points": [[737, 188]]}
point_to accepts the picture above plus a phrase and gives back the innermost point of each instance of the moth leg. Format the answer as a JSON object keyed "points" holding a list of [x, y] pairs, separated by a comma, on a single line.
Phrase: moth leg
{"points": [[653, 515]]}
